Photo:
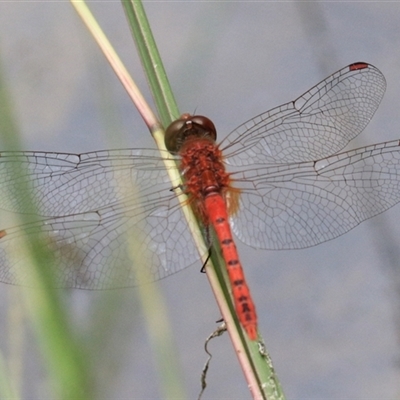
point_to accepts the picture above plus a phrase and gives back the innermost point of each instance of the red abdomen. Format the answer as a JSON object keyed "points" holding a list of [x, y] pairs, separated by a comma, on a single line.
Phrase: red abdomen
{"points": [[207, 185]]}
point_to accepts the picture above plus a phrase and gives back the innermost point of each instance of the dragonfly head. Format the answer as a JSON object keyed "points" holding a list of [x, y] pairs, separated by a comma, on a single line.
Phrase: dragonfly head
{"points": [[188, 126]]}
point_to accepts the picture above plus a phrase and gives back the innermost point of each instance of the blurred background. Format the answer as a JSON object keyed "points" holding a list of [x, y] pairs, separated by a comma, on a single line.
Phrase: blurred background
{"points": [[329, 314]]}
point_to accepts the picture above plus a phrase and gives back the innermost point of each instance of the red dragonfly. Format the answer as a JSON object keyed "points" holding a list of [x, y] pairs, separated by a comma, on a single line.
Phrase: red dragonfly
{"points": [[278, 179]]}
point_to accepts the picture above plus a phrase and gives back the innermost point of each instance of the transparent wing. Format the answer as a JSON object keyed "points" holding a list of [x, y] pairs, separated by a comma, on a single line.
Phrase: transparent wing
{"points": [[292, 206], [318, 124], [91, 206]]}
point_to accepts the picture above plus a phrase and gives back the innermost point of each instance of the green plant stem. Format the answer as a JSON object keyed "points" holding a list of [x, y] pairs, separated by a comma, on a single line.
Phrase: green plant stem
{"points": [[256, 364], [151, 61]]}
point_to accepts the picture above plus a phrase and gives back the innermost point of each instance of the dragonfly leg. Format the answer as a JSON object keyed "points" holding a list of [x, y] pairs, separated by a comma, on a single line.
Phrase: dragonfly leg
{"points": [[203, 268]]}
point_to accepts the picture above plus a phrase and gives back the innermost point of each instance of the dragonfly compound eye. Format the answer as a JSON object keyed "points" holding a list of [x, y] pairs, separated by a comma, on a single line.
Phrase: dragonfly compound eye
{"points": [[188, 126]]}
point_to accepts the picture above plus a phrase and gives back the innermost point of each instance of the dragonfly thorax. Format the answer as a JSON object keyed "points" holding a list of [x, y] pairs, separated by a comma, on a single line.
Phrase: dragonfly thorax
{"points": [[203, 172]]}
